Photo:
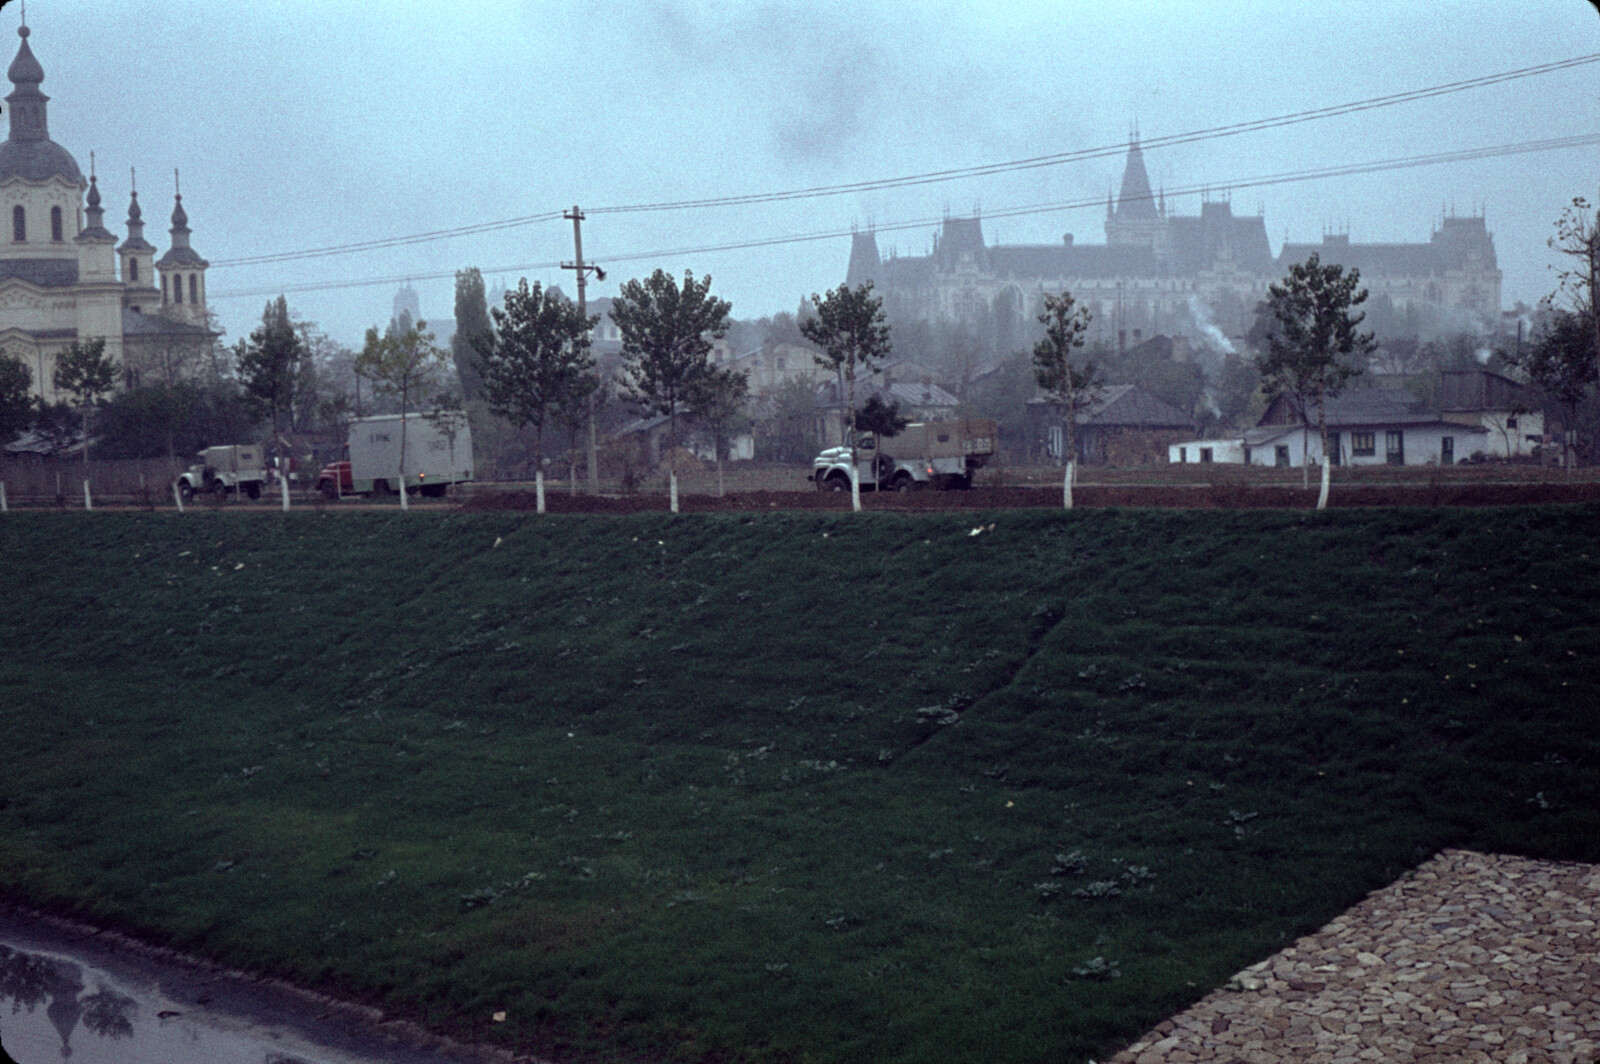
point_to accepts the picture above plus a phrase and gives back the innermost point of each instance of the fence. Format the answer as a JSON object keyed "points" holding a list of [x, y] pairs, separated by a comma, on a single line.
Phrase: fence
{"points": [[60, 480]]}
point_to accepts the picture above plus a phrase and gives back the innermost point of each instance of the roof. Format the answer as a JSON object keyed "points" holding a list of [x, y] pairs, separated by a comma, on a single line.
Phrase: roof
{"points": [[1372, 408], [1135, 200], [37, 160], [46, 273], [135, 325], [1128, 405]]}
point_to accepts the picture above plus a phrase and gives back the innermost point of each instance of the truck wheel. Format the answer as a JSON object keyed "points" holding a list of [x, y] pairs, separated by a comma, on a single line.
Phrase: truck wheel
{"points": [[219, 489], [253, 490], [903, 482], [185, 490], [434, 491], [380, 487], [329, 492], [838, 484]]}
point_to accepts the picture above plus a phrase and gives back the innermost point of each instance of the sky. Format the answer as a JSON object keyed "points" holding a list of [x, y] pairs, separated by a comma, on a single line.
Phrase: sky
{"points": [[304, 126]]}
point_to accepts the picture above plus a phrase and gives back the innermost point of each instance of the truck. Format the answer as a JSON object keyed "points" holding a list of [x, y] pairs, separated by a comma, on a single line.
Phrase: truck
{"points": [[228, 469], [438, 453], [938, 454]]}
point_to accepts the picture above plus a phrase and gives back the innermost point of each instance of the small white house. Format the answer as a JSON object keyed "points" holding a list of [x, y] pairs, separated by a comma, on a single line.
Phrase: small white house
{"points": [[1364, 428]]}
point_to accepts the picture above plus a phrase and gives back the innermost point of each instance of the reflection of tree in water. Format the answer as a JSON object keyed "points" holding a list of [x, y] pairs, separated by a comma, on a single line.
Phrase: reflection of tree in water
{"points": [[27, 980], [107, 1013]]}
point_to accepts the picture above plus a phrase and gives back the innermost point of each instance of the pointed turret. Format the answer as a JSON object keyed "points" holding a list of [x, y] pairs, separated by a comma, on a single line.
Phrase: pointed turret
{"points": [[138, 257], [864, 259], [97, 254], [1136, 218], [1136, 201], [183, 290]]}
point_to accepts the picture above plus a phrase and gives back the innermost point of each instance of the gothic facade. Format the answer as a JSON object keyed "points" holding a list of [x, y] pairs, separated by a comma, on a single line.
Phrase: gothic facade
{"points": [[63, 276], [1160, 272]]}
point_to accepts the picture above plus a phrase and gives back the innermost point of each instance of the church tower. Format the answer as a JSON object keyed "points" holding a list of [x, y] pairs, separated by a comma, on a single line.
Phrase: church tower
{"points": [[138, 256], [183, 271], [1136, 217]]}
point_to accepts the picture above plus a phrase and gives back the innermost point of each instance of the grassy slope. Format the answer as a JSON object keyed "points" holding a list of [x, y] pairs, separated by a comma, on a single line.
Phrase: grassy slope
{"points": [[661, 785]]}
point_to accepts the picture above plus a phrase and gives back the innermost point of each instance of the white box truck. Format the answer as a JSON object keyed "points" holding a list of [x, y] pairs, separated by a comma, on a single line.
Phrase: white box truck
{"points": [[438, 453], [939, 454], [230, 469]]}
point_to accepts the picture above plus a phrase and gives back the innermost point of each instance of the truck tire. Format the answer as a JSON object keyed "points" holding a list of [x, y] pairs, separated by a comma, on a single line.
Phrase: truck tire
{"points": [[219, 489], [838, 483], [380, 487], [253, 489], [329, 491], [903, 482], [185, 490]]}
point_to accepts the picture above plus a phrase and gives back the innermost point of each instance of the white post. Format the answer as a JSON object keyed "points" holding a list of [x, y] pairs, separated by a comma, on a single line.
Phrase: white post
{"points": [[538, 490], [1327, 473], [855, 485], [88, 503], [1066, 486], [283, 478], [405, 504], [177, 496], [4, 509], [672, 488]]}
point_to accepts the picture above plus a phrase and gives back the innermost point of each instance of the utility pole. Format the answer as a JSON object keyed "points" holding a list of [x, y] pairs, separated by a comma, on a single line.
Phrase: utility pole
{"points": [[582, 269]]}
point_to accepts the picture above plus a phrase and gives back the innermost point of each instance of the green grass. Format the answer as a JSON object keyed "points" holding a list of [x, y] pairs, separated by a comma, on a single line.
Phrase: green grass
{"points": [[680, 788]]}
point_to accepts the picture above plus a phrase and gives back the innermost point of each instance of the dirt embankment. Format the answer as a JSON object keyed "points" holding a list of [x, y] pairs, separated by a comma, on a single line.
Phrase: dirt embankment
{"points": [[1217, 497]]}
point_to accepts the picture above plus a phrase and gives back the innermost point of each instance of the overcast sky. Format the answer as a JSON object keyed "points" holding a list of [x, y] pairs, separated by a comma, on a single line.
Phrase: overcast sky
{"points": [[305, 125]]}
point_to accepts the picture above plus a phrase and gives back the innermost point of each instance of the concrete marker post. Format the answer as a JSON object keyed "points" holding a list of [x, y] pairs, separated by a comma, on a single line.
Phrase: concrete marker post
{"points": [[284, 480], [672, 489], [88, 503], [538, 491], [1327, 473], [177, 496], [4, 508]]}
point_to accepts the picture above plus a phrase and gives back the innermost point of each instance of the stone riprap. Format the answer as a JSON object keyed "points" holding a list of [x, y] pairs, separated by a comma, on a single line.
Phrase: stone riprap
{"points": [[1471, 957]]}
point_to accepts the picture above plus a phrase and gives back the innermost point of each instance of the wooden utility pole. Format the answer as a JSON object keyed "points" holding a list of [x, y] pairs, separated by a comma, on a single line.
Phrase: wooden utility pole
{"points": [[582, 270]]}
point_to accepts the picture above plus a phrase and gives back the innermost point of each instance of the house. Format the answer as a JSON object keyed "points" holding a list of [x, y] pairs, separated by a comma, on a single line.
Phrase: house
{"points": [[1495, 403], [917, 401], [1125, 426], [1365, 427]]}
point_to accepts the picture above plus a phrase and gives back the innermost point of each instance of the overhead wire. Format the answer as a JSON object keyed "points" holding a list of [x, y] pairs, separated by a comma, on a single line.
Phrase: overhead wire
{"points": [[933, 176], [1288, 177]]}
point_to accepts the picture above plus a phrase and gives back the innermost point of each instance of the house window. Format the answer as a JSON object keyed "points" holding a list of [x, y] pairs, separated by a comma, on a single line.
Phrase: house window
{"points": [[1363, 444], [133, 269], [1447, 450], [1247, 455], [1511, 422], [1183, 455], [1333, 448], [1205, 454], [177, 288], [1394, 447], [1280, 455], [55, 224], [19, 224], [194, 288], [163, 288]]}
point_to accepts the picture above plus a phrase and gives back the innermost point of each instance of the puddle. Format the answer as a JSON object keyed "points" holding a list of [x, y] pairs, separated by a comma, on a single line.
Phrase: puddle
{"points": [[61, 999]]}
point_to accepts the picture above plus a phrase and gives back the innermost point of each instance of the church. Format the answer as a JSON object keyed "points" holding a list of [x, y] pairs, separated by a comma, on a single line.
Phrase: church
{"points": [[63, 276], [1165, 273]]}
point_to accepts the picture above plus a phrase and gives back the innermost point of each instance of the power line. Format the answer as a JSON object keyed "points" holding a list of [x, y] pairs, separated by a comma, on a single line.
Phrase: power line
{"points": [[1288, 177], [934, 176]]}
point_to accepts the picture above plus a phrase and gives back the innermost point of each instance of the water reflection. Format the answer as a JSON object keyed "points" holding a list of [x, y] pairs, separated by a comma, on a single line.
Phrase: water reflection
{"points": [[28, 980]]}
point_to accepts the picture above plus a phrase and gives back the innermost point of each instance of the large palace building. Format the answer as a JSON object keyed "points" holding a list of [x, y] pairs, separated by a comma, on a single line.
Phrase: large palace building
{"points": [[63, 276], [1159, 272]]}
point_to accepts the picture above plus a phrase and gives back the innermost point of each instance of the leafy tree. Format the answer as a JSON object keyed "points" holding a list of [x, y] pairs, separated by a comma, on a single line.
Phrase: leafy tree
{"points": [[405, 364], [1237, 383], [718, 402], [1072, 388], [666, 340], [853, 333], [269, 364], [1312, 344], [472, 322], [87, 373], [536, 359], [1561, 360], [787, 431], [16, 400], [881, 418]]}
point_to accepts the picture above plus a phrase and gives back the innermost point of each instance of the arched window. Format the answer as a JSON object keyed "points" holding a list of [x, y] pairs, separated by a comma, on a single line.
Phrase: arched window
{"points": [[194, 288], [177, 288], [163, 288], [55, 224], [19, 224], [133, 269]]}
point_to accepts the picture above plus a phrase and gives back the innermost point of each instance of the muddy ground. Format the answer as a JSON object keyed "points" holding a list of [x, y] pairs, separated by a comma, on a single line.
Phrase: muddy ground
{"points": [[1217, 496]]}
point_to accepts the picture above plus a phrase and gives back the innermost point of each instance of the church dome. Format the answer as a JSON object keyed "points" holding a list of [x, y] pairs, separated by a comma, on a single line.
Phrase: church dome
{"points": [[37, 160], [29, 153]]}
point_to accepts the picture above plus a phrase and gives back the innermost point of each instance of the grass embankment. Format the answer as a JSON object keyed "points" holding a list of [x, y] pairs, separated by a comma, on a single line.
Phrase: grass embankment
{"points": [[821, 787]]}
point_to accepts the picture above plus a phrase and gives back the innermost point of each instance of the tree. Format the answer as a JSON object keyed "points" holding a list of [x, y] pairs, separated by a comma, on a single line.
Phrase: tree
{"points": [[1561, 361], [850, 327], [16, 402], [404, 363], [718, 402], [536, 360], [269, 364], [1312, 344], [787, 430], [1071, 388], [666, 340], [881, 418], [1578, 236], [87, 373], [472, 322]]}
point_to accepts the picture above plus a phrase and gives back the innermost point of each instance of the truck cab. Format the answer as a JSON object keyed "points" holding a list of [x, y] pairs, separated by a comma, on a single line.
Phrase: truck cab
{"points": [[938, 454]]}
